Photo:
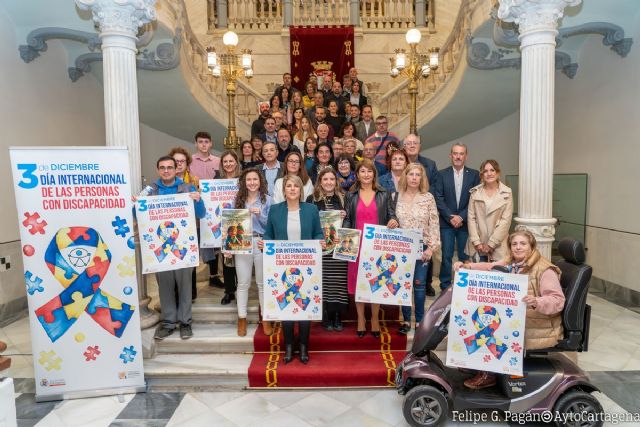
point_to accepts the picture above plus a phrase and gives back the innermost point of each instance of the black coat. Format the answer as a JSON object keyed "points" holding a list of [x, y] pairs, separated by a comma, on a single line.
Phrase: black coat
{"points": [[384, 203]]}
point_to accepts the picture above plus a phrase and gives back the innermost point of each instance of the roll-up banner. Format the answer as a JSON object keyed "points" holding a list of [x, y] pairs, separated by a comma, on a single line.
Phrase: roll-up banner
{"points": [[75, 221]]}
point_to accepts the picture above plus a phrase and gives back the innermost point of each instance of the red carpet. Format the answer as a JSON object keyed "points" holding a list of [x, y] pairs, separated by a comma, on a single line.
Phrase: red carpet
{"points": [[337, 359]]}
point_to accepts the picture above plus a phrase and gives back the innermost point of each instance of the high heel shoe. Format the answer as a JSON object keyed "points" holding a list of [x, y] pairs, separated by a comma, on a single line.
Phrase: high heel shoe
{"points": [[376, 334], [288, 353], [304, 354], [361, 333]]}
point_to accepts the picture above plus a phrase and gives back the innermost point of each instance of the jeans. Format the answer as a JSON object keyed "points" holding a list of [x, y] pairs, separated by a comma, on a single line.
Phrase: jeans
{"points": [[244, 268], [419, 292], [451, 237]]}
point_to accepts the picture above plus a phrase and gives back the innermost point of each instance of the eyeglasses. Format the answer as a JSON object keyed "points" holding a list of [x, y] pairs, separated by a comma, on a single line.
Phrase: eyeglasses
{"points": [[166, 168], [344, 163], [180, 161], [411, 143]]}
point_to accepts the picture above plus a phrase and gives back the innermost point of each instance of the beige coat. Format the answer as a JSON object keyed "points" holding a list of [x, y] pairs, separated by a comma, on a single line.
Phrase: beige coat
{"points": [[489, 225]]}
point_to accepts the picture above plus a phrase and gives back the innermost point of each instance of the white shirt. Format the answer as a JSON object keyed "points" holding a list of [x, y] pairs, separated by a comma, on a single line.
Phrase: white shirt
{"points": [[458, 176], [294, 231]]}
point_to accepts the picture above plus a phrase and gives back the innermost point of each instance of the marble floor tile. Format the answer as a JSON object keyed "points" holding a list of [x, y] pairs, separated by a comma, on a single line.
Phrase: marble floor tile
{"points": [[210, 418], [283, 398], [213, 400], [349, 397], [247, 409], [151, 406], [28, 409], [354, 417], [317, 409], [93, 412], [280, 419], [189, 408], [139, 423], [384, 405]]}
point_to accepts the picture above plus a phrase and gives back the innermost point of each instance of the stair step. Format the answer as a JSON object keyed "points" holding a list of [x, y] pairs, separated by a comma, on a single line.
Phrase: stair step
{"points": [[208, 311], [197, 372], [218, 338]]}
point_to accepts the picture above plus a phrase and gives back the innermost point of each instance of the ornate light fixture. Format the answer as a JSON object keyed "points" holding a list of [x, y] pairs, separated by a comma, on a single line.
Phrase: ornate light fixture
{"points": [[230, 66], [414, 65]]}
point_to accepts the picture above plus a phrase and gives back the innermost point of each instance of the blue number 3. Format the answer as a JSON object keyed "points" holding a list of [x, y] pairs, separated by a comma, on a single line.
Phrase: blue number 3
{"points": [[369, 234], [270, 249], [29, 179], [142, 205], [462, 276]]}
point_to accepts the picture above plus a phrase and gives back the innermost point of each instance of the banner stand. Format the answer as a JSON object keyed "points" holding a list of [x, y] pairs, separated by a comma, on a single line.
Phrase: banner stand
{"points": [[90, 393]]}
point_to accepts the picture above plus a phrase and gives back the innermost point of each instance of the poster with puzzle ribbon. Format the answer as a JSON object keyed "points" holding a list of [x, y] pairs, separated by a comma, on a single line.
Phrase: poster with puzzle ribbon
{"points": [[76, 232], [217, 194], [168, 235], [292, 280], [487, 320]]}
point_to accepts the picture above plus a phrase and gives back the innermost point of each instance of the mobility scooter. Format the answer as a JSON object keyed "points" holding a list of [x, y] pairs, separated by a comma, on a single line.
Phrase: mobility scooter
{"points": [[552, 388]]}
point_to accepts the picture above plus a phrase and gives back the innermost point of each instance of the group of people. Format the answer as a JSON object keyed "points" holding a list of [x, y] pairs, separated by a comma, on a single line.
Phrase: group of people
{"points": [[295, 167]]}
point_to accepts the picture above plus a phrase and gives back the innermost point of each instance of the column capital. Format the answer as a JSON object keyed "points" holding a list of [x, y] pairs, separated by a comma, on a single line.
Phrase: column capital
{"points": [[120, 16], [532, 14]]}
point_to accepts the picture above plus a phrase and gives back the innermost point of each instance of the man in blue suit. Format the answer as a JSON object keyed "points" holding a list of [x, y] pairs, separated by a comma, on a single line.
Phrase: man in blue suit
{"points": [[452, 199]]}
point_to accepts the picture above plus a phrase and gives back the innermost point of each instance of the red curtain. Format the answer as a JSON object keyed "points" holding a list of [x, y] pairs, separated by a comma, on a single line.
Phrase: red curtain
{"points": [[320, 50]]}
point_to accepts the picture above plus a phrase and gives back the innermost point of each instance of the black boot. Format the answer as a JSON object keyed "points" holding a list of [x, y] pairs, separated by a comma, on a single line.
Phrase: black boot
{"points": [[327, 323], [288, 353], [337, 323], [304, 354]]}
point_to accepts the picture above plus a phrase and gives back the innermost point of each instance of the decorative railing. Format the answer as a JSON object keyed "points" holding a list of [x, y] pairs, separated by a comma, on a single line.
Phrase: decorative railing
{"points": [[387, 14], [319, 12], [209, 91], [260, 15], [395, 103]]}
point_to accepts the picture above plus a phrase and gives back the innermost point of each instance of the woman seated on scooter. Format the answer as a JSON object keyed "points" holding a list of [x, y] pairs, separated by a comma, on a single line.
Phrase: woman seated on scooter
{"points": [[545, 299]]}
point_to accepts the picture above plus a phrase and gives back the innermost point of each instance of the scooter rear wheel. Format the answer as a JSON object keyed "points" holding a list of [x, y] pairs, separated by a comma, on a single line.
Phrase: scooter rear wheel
{"points": [[580, 409], [425, 406]]}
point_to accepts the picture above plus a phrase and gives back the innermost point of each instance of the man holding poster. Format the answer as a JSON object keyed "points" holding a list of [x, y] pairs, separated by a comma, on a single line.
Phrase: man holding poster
{"points": [[497, 303], [167, 184]]}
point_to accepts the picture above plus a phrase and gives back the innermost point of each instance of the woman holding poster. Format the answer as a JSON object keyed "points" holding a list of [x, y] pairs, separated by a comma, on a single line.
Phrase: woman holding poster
{"points": [[416, 209], [230, 168], [293, 165], [327, 196], [252, 195], [489, 215], [545, 299], [302, 223], [368, 203]]}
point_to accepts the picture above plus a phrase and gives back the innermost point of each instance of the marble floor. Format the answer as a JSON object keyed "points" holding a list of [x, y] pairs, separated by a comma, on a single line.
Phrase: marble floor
{"points": [[613, 361]]}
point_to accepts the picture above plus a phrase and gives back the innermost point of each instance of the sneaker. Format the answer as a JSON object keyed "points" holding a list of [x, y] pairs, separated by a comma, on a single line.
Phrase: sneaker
{"points": [[404, 329], [185, 332], [162, 332]]}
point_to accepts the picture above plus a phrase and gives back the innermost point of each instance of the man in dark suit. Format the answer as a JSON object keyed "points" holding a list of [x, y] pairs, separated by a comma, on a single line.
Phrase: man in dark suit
{"points": [[365, 127], [452, 199]]}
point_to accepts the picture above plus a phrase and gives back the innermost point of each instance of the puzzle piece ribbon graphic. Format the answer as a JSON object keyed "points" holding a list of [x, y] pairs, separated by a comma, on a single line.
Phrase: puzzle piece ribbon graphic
{"points": [[168, 234], [292, 277], [485, 335], [387, 265], [81, 289]]}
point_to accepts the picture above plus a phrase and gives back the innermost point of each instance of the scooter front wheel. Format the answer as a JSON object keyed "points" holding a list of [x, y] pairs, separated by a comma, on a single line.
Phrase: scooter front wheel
{"points": [[578, 409], [425, 406]]}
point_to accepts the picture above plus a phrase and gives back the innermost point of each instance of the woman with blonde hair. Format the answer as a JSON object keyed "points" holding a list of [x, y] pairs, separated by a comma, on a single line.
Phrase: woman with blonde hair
{"points": [[489, 215], [416, 209], [294, 219], [545, 299], [304, 131]]}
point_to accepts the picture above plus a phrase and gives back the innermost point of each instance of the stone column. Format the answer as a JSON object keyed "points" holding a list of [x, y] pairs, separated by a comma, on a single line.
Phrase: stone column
{"points": [[119, 22], [419, 12], [287, 13], [354, 13], [538, 21], [221, 6]]}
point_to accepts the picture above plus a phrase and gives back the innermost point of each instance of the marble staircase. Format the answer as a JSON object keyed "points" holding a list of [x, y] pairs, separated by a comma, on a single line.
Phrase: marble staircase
{"points": [[215, 358]]}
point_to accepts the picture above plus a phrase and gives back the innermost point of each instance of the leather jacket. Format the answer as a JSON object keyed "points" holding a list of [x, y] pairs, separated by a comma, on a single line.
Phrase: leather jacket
{"points": [[384, 203]]}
